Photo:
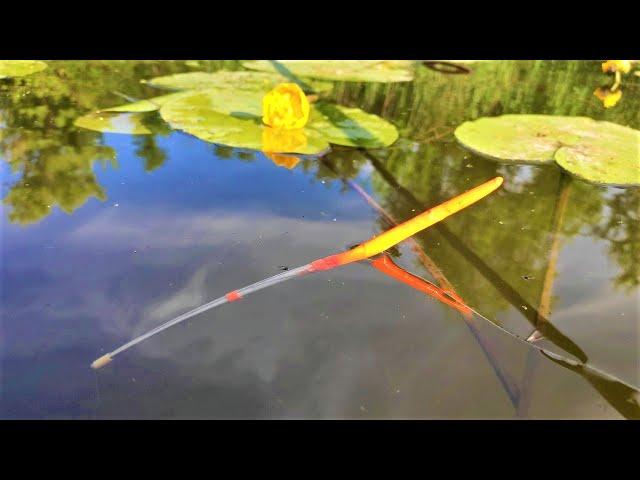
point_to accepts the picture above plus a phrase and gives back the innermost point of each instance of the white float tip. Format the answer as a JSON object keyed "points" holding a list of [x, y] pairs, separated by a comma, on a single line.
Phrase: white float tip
{"points": [[101, 362]]}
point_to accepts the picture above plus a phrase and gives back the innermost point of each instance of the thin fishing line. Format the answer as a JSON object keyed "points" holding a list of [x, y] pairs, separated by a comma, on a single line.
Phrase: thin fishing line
{"points": [[523, 340], [553, 354]]}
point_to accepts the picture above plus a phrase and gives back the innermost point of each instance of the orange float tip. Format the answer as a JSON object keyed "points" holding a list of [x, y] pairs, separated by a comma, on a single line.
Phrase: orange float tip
{"points": [[101, 362]]}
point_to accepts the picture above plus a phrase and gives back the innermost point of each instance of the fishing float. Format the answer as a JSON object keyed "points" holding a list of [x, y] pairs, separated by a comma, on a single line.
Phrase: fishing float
{"points": [[365, 250]]}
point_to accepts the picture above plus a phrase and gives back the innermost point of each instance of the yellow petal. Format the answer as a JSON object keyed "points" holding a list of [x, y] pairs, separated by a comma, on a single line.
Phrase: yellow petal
{"points": [[283, 141], [285, 161], [607, 97], [623, 66], [285, 107]]}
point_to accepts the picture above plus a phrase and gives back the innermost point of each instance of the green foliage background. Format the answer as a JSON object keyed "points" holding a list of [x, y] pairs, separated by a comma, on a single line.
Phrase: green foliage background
{"points": [[56, 160]]}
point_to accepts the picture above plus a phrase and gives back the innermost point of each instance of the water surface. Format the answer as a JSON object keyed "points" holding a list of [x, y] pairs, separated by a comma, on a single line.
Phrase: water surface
{"points": [[105, 236]]}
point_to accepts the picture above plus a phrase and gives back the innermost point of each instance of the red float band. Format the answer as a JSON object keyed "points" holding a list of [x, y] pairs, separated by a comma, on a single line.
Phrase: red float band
{"points": [[233, 296]]}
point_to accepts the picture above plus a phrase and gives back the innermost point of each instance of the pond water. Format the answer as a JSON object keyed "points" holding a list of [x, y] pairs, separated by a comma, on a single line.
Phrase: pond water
{"points": [[105, 236]]}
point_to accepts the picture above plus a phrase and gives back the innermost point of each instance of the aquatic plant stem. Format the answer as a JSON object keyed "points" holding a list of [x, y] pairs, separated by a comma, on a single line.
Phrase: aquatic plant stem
{"points": [[544, 308]]}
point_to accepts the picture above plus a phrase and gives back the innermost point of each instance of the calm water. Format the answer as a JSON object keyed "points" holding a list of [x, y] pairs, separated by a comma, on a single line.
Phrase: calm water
{"points": [[106, 235]]}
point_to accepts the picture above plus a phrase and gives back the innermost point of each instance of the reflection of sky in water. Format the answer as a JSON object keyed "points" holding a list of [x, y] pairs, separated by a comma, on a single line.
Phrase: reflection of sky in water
{"points": [[348, 343], [341, 344]]}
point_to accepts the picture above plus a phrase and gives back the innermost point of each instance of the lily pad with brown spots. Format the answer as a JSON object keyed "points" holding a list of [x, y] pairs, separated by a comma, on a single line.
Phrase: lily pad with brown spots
{"points": [[600, 152]]}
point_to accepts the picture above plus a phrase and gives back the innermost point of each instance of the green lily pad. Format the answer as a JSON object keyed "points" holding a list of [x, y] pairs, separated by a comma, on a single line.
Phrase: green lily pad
{"points": [[193, 113], [595, 151], [612, 157], [149, 105], [384, 71], [520, 138], [234, 81], [20, 68], [128, 123], [351, 127], [238, 103], [235, 121]]}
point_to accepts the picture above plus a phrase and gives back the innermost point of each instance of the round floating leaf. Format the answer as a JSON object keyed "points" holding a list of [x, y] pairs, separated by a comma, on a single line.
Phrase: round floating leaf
{"points": [[149, 105], [611, 157], [351, 126], [114, 123], [238, 103], [235, 81], [235, 120], [194, 114], [384, 71], [523, 138], [601, 152], [20, 68]]}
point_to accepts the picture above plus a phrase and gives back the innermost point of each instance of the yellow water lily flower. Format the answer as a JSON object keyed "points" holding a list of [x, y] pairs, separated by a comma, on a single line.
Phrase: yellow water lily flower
{"points": [[623, 66], [277, 140], [285, 107], [286, 161], [609, 98]]}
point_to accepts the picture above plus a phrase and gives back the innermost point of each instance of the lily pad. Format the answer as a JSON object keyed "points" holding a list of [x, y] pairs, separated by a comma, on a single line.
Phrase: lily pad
{"points": [[114, 123], [149, 105], [351, 127], [384, 71], [238, 103], [20, 68], [193, 113], [234, 81], [612, 157], [520, 138], [236, 122], [595, 151]]}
